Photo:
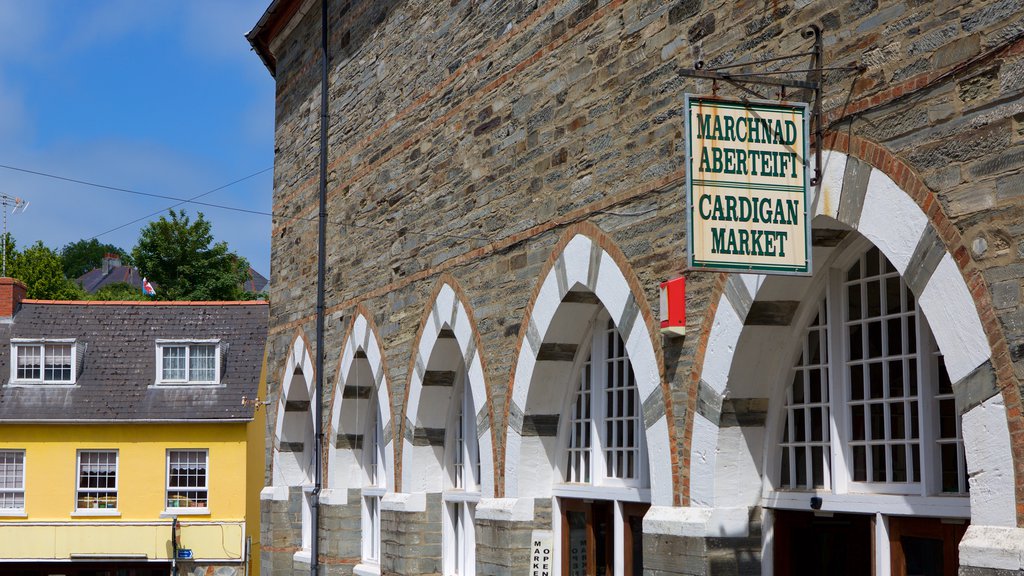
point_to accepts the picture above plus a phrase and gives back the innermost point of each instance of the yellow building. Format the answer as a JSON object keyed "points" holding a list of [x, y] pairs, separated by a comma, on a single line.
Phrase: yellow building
{"points": [[131, 442]]}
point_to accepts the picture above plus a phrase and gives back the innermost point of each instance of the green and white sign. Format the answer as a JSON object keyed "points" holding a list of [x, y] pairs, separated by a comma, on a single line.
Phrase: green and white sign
{"points": [[746, 186]]}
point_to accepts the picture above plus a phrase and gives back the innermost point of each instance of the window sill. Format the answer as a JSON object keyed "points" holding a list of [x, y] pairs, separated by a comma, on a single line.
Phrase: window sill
{"points": [[188, 385], [366, 569], [95, 512], [37, 384], [304, 556], [937, 506], [172, 512], [623, 493], [460, 496], [14, 513]]}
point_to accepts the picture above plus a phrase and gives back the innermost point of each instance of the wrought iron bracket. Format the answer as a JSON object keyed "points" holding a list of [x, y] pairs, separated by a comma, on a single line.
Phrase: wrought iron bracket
{"points": [[813, 83]]}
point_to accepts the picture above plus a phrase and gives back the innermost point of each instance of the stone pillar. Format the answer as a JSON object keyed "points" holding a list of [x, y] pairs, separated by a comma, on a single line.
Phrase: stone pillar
{"points": [[410, 533], [281, 533], [504, 532], [689, 541], [992, 551], [341, 535]]}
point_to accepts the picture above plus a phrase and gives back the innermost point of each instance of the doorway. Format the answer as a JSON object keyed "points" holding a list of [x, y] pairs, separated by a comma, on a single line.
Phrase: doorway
{"points": [[807, 544], [590, 537], [925, 546]]}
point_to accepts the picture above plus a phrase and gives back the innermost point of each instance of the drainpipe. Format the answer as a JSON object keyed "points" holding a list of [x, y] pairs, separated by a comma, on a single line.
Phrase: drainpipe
{"points": [[314, 561]]}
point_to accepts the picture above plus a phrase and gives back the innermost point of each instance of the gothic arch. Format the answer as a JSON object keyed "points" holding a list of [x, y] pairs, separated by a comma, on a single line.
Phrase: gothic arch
{"points": [[587, 259], [293, 429], [892, 209], [361, 346], [448, 318]]}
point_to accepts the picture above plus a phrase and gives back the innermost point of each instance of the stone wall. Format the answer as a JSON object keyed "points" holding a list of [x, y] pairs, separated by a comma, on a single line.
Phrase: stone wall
{"points": [[411, 541], [466, 137]]}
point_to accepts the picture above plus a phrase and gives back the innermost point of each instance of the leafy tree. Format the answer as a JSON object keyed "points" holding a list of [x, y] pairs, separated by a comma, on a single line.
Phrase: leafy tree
{"points": [[84, 255], [40, 269], [120, 291], [177, 254]]}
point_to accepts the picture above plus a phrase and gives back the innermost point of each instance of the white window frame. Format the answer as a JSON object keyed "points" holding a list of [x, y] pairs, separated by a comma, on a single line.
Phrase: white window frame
{"points": [[617, 491], [185, 510], [115, 511], [840, 492], [161, 380], [462, 483], [374, 479], [19, 482], [601, 485], [18, 343]]}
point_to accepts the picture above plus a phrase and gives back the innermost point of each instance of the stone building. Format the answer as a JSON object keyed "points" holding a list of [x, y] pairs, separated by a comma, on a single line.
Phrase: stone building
{"points": [[505, 194]]}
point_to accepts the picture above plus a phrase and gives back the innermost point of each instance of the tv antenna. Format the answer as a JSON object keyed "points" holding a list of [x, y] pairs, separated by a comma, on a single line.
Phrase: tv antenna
{"points": [[14, 204]]}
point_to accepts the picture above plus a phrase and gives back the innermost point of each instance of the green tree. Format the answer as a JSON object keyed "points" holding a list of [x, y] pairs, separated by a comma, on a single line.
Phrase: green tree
{"points": [[40, 269], [177, 254], [84, 255]]}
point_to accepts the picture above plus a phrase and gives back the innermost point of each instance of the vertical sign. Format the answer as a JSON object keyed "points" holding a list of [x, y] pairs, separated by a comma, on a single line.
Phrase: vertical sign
{"points": [[541, 557], [746, 186]]}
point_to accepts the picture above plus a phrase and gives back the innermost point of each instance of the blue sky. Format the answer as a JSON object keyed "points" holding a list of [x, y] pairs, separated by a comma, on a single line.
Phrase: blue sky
{"points": [[158, 96]]}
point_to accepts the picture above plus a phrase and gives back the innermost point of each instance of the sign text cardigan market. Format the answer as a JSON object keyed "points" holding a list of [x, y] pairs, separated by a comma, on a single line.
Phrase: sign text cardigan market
{"points": [[747, 186]]}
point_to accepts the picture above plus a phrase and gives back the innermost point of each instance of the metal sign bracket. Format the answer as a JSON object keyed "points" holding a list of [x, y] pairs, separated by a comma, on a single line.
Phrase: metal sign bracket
{"points": [[812, 83]]}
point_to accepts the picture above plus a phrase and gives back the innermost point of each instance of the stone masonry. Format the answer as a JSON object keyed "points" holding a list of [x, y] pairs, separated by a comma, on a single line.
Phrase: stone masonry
{"points": [[468, 137]]}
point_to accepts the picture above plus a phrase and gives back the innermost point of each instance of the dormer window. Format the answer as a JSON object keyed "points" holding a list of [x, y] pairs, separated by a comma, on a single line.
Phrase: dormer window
{"points": [[188, 362], [43, 361]]}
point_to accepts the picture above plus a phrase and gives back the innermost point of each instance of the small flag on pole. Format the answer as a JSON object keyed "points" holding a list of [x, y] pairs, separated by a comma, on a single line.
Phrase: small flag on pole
{"points": [[147, 288]]}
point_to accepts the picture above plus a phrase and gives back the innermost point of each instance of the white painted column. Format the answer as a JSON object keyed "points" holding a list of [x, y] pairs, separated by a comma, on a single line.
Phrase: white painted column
{"points": [[619, 563], [883, 562]]}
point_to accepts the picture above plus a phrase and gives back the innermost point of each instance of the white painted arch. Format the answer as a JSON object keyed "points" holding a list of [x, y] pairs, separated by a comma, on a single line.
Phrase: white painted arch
{"points": [[362, 339], [584, 262], [448, 312], [892, 221], [293, 468]]}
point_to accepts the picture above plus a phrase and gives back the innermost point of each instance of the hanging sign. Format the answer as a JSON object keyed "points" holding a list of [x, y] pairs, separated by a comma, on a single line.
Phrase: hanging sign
{"points": [[746, 186]]}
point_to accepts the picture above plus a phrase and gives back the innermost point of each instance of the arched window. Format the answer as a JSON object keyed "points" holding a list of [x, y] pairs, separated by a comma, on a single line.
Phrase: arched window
{"points": [[462, 483], [869, 422], [896, 417], [374, 484], [604, 467]]}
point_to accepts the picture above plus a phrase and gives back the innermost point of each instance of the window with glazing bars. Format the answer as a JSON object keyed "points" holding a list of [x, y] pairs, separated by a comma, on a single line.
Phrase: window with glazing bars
{"points": [[97, 480], [45, 362], [188, 363], [187, 479], [606, 407], [894, 390], [805, 438], [12, 479]]}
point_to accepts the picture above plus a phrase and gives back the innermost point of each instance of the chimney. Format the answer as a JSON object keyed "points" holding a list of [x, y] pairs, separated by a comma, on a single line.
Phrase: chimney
{"points": [[110, 261], [12, 292]]}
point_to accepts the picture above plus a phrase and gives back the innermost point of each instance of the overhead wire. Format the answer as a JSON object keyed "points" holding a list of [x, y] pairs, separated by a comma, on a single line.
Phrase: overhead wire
{"points": [[235, 208], [192, 199]]}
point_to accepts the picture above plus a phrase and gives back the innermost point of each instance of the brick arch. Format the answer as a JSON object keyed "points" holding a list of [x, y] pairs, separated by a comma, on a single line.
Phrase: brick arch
{"points": [[979, 357], [450, 307], [362, 336], [586, 255]]}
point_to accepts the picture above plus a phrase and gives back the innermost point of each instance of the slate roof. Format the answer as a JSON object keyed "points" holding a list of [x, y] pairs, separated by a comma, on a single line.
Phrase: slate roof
{"points": [[94, 279], [255, 283], [116, 380]]}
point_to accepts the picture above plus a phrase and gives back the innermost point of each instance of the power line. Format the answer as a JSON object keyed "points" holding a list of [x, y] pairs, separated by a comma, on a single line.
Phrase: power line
{"points": [[233, 208], [192, 199]]}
